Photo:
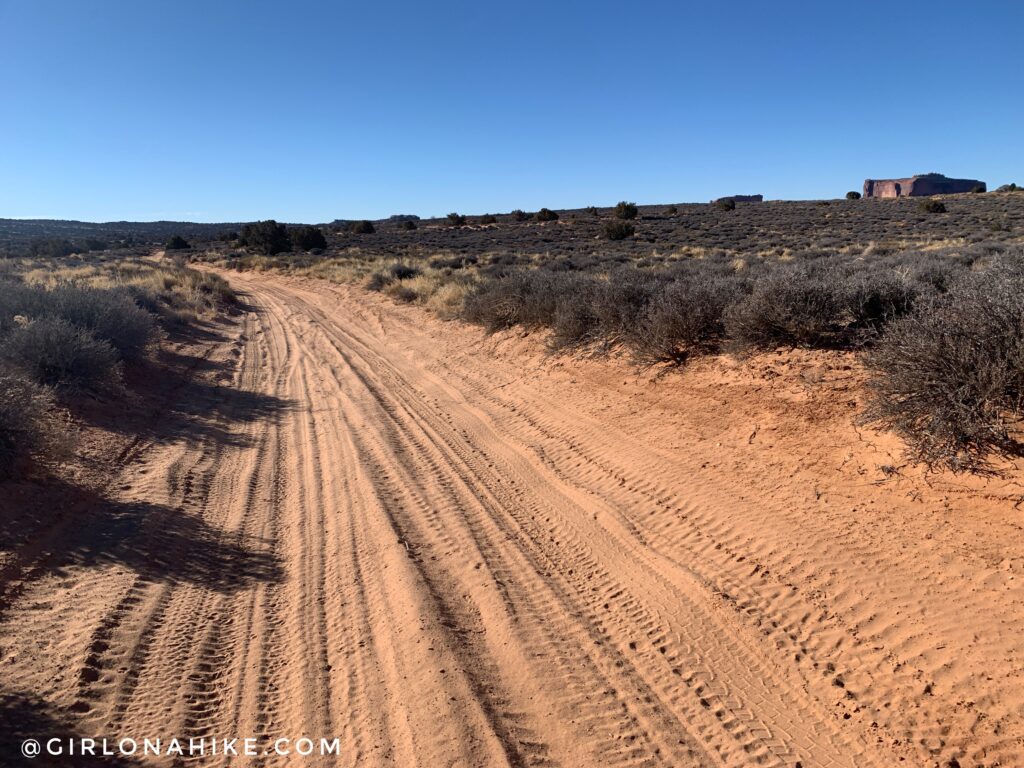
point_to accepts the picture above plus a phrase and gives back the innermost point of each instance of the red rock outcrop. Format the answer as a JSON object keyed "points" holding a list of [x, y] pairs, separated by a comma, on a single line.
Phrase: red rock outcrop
{"points": [[920, 186]]}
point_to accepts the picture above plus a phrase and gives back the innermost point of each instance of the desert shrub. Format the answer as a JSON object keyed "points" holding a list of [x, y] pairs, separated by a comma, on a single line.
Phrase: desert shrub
{"points": [[932, 206], [488, 218], [978, 189], [519, 215], [671, 210], [176, 243], [452, 262], [378, 281], [853, 195], [618, 229], [1009, 188], [362, 227], [307, 238], [456, 219], [403, 271], [949, 378], [546, 214], [51, 351], [625, 210], [266, 237], [404, 294], [228, 237], [685, 318], [592, 210], [407, 225], [111, 315], [818, 307], [728, 204], [620, 302], [50, 248], [28, 427]]}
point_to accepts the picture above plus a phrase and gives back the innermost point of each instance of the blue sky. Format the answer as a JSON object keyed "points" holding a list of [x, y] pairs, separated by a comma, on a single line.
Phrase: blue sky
{"points": [[311, 111]]}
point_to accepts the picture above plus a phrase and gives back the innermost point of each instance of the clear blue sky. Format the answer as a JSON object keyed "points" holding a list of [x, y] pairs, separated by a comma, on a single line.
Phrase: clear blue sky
{"points": [[311, 111]]}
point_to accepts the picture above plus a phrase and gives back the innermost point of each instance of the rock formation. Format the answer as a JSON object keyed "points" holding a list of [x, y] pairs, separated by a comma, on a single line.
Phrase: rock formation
{"points": [[920, 186], [742, 198]]}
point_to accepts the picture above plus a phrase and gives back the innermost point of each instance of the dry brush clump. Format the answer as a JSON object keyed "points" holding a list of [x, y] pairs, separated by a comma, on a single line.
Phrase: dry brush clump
{"points": [[67, 329], [949, 378]]}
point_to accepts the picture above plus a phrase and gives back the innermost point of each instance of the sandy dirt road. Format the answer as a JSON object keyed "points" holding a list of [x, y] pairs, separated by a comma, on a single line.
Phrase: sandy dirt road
{"points": [[386, 534]]}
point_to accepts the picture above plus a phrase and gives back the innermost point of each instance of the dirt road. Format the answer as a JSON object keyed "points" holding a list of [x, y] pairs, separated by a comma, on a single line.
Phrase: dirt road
{"points": [[384, 533]]}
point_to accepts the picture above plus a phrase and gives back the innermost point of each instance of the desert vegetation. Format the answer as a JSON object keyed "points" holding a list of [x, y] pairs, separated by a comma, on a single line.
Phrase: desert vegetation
{"points": [[885, 279], [68, 330]]}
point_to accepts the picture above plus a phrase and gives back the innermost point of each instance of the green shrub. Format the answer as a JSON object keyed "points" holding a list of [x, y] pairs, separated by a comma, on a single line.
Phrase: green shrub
{"points": [[546, 214], [53, 352], [932, 206], [725, 204], [456, 219], [50, 248], [671, 210], [266, 237], [307, 238], [176, 243], [363, 227], [488, 219], [626, 211], [519, 215], [852, 195], [1010, 188], [618, 229], [407, 225]]}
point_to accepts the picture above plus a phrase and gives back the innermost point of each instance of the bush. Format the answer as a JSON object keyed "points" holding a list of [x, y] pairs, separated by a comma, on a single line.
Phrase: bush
{"points": [[50, 248], [28, 429], [456, 219], [818, 307], [111, 315], [1010, 188], [671, 210], [54, 352], [266, 237], [684, 319], [176, 243], [726, 204], [306, 238], [519, 215], [932, 206], [950, 377], [625, 211], [546, 214], [363, 227], [853, 195], [379, 281], [408, 225], [403, 271], [618, 230], [487, 219], [228, 237]]}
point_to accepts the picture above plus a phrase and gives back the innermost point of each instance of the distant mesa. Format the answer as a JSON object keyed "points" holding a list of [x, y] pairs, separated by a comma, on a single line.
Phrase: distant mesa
{"points": [[400, 217], [741, 199], [922, 185]]}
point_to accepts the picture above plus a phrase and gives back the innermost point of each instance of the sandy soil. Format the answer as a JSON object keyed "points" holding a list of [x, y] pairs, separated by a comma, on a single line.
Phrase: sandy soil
{"points": [[448, 550]]}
